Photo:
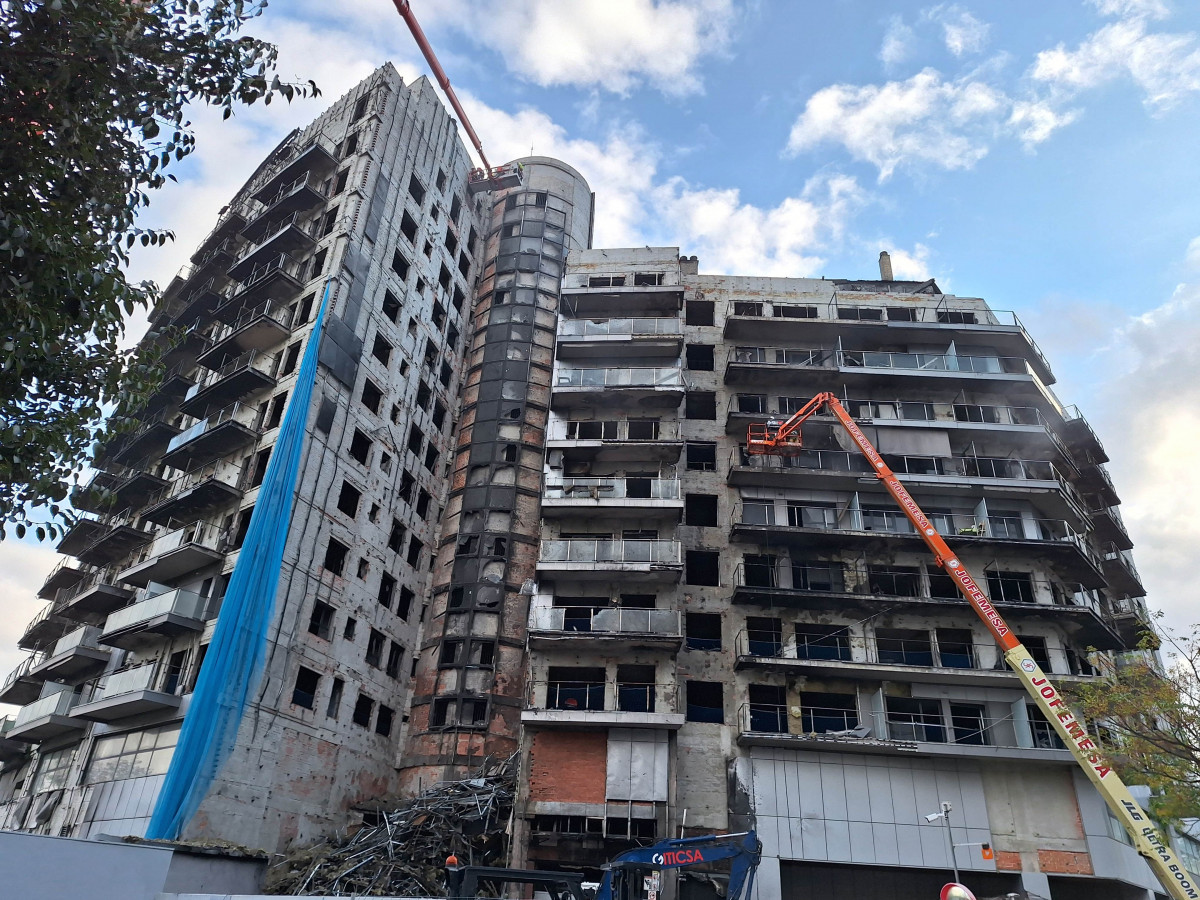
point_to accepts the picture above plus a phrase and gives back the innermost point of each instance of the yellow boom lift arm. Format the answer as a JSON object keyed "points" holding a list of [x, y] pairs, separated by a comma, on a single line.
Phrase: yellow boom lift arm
{"points": [[783, 439]]}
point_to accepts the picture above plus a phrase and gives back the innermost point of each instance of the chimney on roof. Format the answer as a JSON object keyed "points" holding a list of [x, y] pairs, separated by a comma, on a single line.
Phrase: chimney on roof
{"points": [[885, 266]]}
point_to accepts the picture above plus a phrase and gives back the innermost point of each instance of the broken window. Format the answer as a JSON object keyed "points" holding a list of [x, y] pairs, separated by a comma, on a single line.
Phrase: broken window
{"points": [[348, 499], [705, 702], [396, 536], [703, 567], [904, 646], [320, 622], [822, 642], [701, 457], [335, 556], [768, 708], [901, 314], [391, 306], [363, 707], [360, 107], [339, 183], [821, 712], [703, 631], [381, 349], [1010, 587], [395, 655], [746, 308], [416, 190], [304, 692], [790, 311], [387, 590], [371, 395], [956, 317], [288, 363], [860, 313], [647, 279], [375, 645], [405, 605], [400, 265], [764, 636], [383, 722], [416, 439], [360, 447], [414, 552], [335, 698]]}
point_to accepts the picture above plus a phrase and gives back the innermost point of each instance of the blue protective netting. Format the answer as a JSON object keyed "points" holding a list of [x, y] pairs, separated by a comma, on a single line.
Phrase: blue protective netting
{"points": [[235, 657]]}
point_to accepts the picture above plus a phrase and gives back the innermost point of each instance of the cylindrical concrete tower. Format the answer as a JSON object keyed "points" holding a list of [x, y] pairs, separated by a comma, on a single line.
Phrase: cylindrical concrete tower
{"points": [[470, 682]]}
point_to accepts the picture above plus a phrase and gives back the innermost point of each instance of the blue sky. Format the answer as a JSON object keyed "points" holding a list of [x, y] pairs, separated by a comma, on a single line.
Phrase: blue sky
{"points": [[1036, 154]]}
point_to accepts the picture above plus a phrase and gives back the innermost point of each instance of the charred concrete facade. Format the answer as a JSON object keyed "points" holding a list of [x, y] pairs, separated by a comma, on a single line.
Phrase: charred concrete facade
{"points": [[526, 523], [718, 641], [373, 198]]}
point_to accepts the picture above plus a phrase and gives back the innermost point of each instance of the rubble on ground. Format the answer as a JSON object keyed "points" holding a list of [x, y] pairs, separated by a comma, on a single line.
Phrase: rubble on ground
{"points": [[403, 853]]}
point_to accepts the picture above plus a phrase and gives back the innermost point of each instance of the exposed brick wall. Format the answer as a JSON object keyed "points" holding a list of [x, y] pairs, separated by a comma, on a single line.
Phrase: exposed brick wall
{"points": [[1008, 859], [568, 766], [1067, 862]]}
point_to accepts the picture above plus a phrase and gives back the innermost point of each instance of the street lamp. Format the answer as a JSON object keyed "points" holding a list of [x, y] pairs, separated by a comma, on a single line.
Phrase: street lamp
{"points": [[944, 815]]}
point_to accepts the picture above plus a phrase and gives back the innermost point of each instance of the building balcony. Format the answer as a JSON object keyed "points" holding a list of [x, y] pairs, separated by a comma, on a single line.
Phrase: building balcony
{"points": [[1131, 619], [173, 387], [646, 386], [891, 659], [117, 541], [213, 264], [1121, 574], [617, 628], [189, 496], [230, 223], [278, 278], [603, 560], [282, 236], [827, 369], [120, 695], [187, 343], [1080, 437], [620, 294], [96, 495], [1094, 481], [136, 488], [51, 716], [859, 591], [200, 301], [45, 628], [844, 525], [219, 434], [885, 733], [76, 653], [238, 378], [616, 440], [313, 160], [299, 195], [1110, 528], [176, 553], [256, 328], [63, 575], [148, 439], [608, 338], [95, 596], [24, 684], [908, 323], [170, 613], [996, 477], [80, 535], [613, 496], [601, 704]]}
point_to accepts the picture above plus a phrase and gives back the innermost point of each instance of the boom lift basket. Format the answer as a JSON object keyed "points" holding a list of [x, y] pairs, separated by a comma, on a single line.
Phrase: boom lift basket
{"points": [[763, 440]]}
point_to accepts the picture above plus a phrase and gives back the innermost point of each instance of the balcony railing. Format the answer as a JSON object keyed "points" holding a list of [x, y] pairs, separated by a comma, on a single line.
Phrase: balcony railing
{"points": [[24, 667], [177, 602], [617, 620], [614, 489], [602, 696], [613, 430], [114, 684], [880, 359], [222, 470], [57, 704], [237, 412], [85, 638], [625, 327], [578, 550], [642, 376]]}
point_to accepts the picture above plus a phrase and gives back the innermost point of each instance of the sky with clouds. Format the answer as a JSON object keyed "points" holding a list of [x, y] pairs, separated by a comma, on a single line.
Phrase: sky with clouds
{"points": [[1035, 154]]}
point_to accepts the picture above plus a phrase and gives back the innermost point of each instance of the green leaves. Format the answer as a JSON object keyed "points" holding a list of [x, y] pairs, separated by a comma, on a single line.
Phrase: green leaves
{"points": [[93, 104]]}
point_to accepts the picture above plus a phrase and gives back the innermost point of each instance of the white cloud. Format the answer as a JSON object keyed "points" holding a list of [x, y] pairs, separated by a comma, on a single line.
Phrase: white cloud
{"points": [[1166, 67], [1193, 253], [23, 568], [961, 31], [924, 120], [1035, 120], [910, 265], [897, 42], [1154, 9], [617, 45]]}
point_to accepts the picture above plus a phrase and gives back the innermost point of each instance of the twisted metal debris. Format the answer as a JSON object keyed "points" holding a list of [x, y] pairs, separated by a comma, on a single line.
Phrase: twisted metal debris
{"points": [[403, 854]]}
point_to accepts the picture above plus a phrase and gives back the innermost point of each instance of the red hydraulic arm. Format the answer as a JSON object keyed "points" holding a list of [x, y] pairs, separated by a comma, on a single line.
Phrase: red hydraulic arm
{"points": [[778, 438], [410, 19]]}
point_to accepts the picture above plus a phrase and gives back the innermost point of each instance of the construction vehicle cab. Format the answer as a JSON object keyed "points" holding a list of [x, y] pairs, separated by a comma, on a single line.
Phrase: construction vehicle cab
{"points": [[625, 877]]}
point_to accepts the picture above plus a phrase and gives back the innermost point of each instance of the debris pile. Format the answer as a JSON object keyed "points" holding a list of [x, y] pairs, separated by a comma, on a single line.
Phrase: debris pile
{"points": [[403, 852]]}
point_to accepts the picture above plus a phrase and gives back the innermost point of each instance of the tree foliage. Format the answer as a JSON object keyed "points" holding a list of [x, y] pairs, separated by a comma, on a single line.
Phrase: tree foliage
{"points": [[93, 96], [1150, 720]]}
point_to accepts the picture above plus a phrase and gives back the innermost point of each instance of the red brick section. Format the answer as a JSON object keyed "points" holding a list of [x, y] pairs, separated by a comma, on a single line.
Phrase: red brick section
{"points": [[568, 766], [1008, 859], [1067, 862]]}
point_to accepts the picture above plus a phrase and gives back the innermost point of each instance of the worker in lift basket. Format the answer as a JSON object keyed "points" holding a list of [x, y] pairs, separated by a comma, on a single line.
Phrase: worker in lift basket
{"points": [[773, 426]]}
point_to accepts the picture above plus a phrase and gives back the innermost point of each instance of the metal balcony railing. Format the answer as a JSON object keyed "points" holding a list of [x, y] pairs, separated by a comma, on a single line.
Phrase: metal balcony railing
{"points": [[666, 553], [57, 704], [283, 263], [198, 534], [257, 359], [616, 620], [106, 575], [24, 667], [880, 359], [274, 229], [613, 430], [222, 470], [622, 327], [640, 376], [599, 488], [235, 412], [126, 681], [602, 696], [187, 604], [85, 638], [772, 718]]}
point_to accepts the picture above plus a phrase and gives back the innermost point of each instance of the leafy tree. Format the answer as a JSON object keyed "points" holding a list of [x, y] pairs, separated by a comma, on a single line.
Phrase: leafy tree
{"points": [[93, 95], [1150, 721]]}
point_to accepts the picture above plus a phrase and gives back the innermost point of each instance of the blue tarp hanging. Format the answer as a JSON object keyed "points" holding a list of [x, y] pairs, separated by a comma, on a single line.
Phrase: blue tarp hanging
{"points": [[234, 661]]}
